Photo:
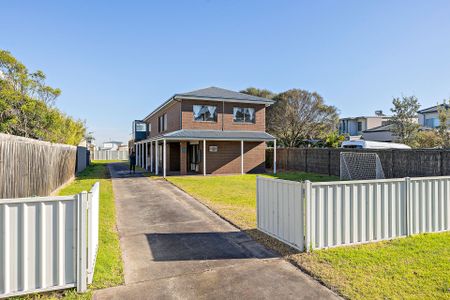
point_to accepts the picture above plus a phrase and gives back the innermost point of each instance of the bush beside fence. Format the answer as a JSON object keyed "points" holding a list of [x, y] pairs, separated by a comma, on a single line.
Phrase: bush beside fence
{"points": [[309, 215], [33, 168], [397, 163]]}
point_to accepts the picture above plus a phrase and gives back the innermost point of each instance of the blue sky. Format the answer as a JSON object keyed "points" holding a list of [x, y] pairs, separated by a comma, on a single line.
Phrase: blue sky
{"points": [[115, 61]]}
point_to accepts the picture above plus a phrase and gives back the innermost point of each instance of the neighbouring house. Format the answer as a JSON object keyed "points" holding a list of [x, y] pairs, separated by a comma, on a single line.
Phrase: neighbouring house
{"points": [[355, 126], [207, 131], [429, 117], [111, 145]]}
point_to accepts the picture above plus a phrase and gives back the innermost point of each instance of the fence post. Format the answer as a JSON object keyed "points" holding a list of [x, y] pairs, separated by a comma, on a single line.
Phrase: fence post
{"points": [[307, 190], [408, 205], [82, 199]]}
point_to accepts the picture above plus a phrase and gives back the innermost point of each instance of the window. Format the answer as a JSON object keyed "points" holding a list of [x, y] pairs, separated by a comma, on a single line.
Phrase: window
{"points": [[243, 115], [432, 122], [162, 123], [149, 127], [359, 126], [204, 113]]}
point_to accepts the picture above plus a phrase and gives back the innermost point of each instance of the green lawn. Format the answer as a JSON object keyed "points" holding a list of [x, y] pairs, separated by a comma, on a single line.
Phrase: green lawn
{"points": [[109, 266], [416, 267]]}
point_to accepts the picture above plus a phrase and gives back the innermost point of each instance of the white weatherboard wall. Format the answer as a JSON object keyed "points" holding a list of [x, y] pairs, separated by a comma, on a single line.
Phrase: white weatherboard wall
{"points": [[352, 212], [44, 242]]}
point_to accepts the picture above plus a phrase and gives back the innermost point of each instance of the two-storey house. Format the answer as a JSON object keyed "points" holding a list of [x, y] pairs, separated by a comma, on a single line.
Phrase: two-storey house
{"points": [[207, 131], [429, 117]]}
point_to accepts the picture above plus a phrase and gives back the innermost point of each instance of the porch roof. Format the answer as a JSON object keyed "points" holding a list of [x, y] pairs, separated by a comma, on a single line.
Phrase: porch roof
{"points": [[184, 134]]}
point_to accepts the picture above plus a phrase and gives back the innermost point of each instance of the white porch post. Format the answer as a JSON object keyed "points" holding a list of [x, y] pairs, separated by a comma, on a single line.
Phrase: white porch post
{"points": [[274, 156], [137, 154], [204, 157], [156, 158], [164, 158], [146, 155], [242, 156], [151, 156]]}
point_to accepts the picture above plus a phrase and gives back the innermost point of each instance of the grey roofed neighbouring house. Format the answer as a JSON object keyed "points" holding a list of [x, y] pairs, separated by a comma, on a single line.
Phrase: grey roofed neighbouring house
{"points": [[217, 135], [433, 109]]}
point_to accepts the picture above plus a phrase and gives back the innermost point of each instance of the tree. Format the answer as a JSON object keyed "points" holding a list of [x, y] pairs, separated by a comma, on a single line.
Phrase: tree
{"points": [[334, 139], [428, 139], [405, 128], [444, 124], [27, 105], [259, 92], [298, 115]]}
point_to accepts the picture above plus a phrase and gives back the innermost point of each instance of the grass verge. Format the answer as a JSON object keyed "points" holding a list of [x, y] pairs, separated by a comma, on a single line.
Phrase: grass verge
{"points": [[413, 267]]}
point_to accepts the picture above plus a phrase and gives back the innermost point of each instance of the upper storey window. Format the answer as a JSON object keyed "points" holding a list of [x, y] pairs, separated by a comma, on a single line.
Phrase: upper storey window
{"points": [[162, 123], [244, 115], [206, 113]]}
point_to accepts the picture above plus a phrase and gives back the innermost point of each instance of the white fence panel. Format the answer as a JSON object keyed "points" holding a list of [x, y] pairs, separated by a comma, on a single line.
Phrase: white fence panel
{"points": [[41, 242], [93, 219], [329, 214], [109, 155], [280, 210], [353, 212], [430, 204]]}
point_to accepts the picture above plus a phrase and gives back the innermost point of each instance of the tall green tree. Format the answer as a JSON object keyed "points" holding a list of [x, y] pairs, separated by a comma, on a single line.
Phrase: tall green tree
{"points": [[404, 119], [444, 124], [27, 105], [298, 115], [259, 92]]}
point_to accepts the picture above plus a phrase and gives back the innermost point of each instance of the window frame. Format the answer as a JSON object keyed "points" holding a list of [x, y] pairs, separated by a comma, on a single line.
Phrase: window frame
{"points": [[244, 114], [201, 107]]}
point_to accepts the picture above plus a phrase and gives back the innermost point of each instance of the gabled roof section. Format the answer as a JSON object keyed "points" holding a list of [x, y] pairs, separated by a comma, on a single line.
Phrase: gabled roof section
{"points": [[214, 94], [222, 94], [432, 109]]}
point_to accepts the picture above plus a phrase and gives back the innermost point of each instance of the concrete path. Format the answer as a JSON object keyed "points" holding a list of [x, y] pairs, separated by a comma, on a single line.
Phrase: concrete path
{"points": [[173, 247]]}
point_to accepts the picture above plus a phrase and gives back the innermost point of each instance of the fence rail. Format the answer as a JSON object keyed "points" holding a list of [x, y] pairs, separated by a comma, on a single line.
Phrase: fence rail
{"points": [[109, 155], [48, 243], [331, 214]]}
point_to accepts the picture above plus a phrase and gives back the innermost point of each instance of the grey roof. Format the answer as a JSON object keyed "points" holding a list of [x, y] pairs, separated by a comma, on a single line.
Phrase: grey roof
{"points": [[222, 94], [218, 135], [214, 93], [388, 127], [432, 109]]}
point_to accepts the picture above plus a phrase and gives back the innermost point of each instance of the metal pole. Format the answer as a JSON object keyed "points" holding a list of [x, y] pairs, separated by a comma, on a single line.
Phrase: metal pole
{"points": [[242, 156], [274, 156], [164, 158], [204, 157]]}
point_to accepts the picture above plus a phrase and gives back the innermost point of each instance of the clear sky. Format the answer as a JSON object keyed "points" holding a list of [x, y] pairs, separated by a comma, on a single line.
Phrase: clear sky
{"points": [[115, 61]]}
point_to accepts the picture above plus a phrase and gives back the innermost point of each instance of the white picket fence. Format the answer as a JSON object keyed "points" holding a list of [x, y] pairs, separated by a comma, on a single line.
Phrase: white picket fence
{"points": [[109, 155], [48, 243], [309, 215]]}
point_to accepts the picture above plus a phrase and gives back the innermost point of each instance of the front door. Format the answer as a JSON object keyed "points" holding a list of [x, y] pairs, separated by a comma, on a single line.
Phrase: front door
{"points": [[194, 158]]}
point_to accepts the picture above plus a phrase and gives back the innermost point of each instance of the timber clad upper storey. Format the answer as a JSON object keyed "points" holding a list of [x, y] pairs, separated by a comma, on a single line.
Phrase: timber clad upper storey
{"points": [[211, 130]]}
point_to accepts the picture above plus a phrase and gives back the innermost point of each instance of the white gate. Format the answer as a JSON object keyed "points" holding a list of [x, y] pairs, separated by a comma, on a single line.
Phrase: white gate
{"points": [[328, 214], [44, 242]]}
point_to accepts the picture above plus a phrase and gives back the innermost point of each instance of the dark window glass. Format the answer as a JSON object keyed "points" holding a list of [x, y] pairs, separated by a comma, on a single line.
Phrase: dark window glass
{"points": [[244, 115], [205, 113]]}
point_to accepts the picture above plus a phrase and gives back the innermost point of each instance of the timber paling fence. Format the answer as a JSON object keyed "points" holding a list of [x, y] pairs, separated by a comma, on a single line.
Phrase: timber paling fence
{"points": [[319, 215], [109, 155], [48, 243], [396, 163], [30, 167]]}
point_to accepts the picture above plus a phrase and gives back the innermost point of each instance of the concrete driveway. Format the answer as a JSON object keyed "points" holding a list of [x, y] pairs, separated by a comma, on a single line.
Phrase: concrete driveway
{"points": [[173, 247]]}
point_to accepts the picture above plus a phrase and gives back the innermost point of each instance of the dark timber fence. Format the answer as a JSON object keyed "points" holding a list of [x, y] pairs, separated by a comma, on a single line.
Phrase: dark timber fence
{"points": [[396, 162], [33, 168]]}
